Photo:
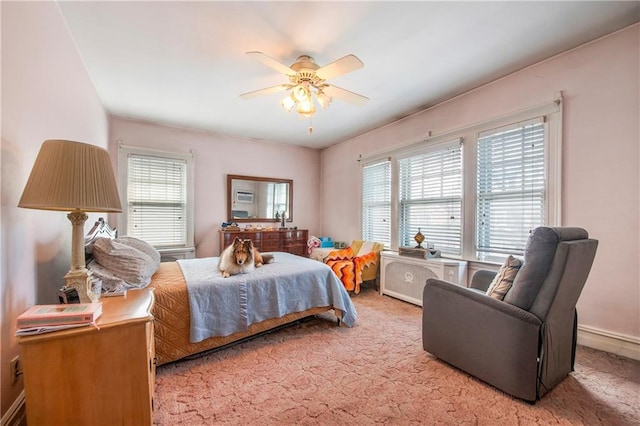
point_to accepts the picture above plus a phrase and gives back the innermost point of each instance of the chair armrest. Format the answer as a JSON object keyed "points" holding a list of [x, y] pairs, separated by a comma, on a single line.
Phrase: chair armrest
{"points": [[455, 296], [481, 279]]}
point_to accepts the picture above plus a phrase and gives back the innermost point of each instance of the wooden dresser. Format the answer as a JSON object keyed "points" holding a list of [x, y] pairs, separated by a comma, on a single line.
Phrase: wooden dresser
{"points": [[288, 240], [91, 376]]}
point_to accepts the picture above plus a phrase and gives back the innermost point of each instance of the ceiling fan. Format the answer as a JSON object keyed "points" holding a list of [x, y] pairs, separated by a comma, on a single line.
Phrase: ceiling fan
{"points": [[308, 80]]}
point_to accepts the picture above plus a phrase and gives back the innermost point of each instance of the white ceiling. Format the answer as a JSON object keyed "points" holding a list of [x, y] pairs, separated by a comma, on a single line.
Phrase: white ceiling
{"points": [[184, 63]]}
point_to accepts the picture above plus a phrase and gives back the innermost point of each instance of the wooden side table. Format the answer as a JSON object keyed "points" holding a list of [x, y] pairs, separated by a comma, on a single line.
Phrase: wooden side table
{"points": [[94, 376]]}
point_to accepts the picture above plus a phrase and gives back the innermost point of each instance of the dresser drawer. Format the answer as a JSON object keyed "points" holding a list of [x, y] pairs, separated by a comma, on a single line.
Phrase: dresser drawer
{"points": [[271, 241], [290, 240], [296, 236], [271, 237], [295, 241]]}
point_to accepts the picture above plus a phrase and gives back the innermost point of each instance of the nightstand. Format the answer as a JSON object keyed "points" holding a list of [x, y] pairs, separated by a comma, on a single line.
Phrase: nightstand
{"points": [[94, 376]]}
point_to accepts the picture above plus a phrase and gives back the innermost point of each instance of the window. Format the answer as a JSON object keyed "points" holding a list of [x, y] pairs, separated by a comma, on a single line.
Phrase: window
{"points": [[510, 187], [376, 202], [279, 194], [159, 194], [431, 198], [477, 203]]}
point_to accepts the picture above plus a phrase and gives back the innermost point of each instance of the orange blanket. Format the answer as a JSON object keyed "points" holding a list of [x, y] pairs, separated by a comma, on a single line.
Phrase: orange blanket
{"points": [[348, 267]]}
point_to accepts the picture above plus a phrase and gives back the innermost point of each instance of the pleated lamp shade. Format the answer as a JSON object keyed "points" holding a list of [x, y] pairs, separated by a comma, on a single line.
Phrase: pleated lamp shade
{"points": [[70, 175]]}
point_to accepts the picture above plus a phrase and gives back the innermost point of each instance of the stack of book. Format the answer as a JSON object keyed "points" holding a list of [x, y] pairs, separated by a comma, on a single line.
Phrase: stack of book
{"points": [[46, 318]]}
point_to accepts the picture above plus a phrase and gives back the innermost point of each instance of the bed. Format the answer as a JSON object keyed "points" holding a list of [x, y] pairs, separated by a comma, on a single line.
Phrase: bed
{"points": [[173, 318], [172, 310]]}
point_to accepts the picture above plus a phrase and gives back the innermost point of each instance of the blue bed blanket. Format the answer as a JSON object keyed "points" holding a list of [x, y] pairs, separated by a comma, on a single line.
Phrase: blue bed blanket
{"points": [[223, 306]]}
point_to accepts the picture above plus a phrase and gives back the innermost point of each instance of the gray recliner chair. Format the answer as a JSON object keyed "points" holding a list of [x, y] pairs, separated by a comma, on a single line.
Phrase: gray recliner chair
{"points": [[524, 344]]}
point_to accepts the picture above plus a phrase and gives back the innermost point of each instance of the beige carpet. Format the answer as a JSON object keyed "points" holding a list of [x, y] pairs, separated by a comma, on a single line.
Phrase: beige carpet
{"points": [[315, 373]]}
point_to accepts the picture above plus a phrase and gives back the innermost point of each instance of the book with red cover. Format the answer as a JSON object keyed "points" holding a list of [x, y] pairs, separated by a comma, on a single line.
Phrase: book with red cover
{"points": [[73, 313]]}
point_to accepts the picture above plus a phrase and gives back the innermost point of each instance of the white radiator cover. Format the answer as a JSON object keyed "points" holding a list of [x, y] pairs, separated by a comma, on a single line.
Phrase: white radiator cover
{"points": [[404, 277]]}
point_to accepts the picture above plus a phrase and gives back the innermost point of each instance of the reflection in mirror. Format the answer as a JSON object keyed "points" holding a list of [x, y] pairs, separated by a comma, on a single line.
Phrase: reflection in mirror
{"points": [[258, 199]]}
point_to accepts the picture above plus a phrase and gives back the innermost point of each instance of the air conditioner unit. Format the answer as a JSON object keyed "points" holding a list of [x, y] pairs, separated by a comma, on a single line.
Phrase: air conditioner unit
{"points": [[404, 277]]}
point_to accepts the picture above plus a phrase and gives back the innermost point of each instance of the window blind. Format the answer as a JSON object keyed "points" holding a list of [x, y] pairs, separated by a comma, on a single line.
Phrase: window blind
{"points": [[157, 200], [376, 202], [431, 198], [510, 187]]}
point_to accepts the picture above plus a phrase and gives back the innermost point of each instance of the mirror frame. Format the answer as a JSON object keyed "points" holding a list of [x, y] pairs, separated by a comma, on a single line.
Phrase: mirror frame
{"points": [[231, 178]]}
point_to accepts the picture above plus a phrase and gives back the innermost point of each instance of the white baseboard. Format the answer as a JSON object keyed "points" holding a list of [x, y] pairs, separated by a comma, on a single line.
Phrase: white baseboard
{"points": [[618, 344], [15, 414]]}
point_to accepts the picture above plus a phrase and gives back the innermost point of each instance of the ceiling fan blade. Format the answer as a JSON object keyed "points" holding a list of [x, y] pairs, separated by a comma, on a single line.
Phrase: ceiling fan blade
{"points": [[266, 91], [338, 67], [345, 95], [270, 62]]}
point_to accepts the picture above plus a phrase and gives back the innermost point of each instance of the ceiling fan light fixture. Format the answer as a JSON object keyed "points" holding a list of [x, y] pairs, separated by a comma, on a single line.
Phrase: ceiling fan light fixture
{"points": [[301, 93], [306, 108], [307, 82], [288, 103], [323, 99]]}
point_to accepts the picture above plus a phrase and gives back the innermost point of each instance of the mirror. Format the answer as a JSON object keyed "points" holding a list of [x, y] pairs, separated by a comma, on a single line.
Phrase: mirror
{"points": [[258, 199]]}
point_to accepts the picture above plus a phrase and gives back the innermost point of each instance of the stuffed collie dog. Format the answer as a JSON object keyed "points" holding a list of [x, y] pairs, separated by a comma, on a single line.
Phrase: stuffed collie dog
{"points": [[240, 257]]}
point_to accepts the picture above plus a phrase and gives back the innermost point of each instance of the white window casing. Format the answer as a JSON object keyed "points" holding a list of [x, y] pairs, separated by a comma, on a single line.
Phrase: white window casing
{"points": [[430, 197], [376, 202], [542, 187], [511, 187], [158, 197]]}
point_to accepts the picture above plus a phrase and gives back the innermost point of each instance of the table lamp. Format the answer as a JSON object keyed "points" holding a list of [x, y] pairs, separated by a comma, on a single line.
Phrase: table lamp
{"points": [[77, 177]]}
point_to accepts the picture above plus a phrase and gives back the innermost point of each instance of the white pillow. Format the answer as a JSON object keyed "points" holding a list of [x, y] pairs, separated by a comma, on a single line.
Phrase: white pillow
{"points": [[141, 245], [123, 261]]}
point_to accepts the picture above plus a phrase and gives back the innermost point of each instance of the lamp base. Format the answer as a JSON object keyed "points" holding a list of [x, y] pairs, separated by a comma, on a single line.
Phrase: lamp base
{"points": [[79, 280]]}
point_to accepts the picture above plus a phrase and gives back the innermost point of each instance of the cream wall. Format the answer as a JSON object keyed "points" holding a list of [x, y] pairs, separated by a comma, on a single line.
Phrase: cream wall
{"points": [[46, 94], [600, 85], [217, 155]]}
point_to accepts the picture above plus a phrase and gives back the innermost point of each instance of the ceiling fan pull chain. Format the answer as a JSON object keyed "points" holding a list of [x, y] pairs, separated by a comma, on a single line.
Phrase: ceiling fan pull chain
{"points": [[310, 126]]}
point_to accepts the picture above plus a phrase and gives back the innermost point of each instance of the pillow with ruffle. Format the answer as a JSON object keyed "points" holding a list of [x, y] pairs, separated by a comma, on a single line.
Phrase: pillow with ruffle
{"points": [[125, 262]]}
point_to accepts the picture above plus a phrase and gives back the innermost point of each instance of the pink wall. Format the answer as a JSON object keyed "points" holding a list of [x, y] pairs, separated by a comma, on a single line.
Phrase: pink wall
{"points": [[46, 94], [600, 83], [217, 155]]}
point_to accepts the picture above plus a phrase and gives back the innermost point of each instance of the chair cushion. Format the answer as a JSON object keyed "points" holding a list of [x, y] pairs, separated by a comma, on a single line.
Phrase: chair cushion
{"points": [[503, 280], [568, 233], [538, 255]]}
